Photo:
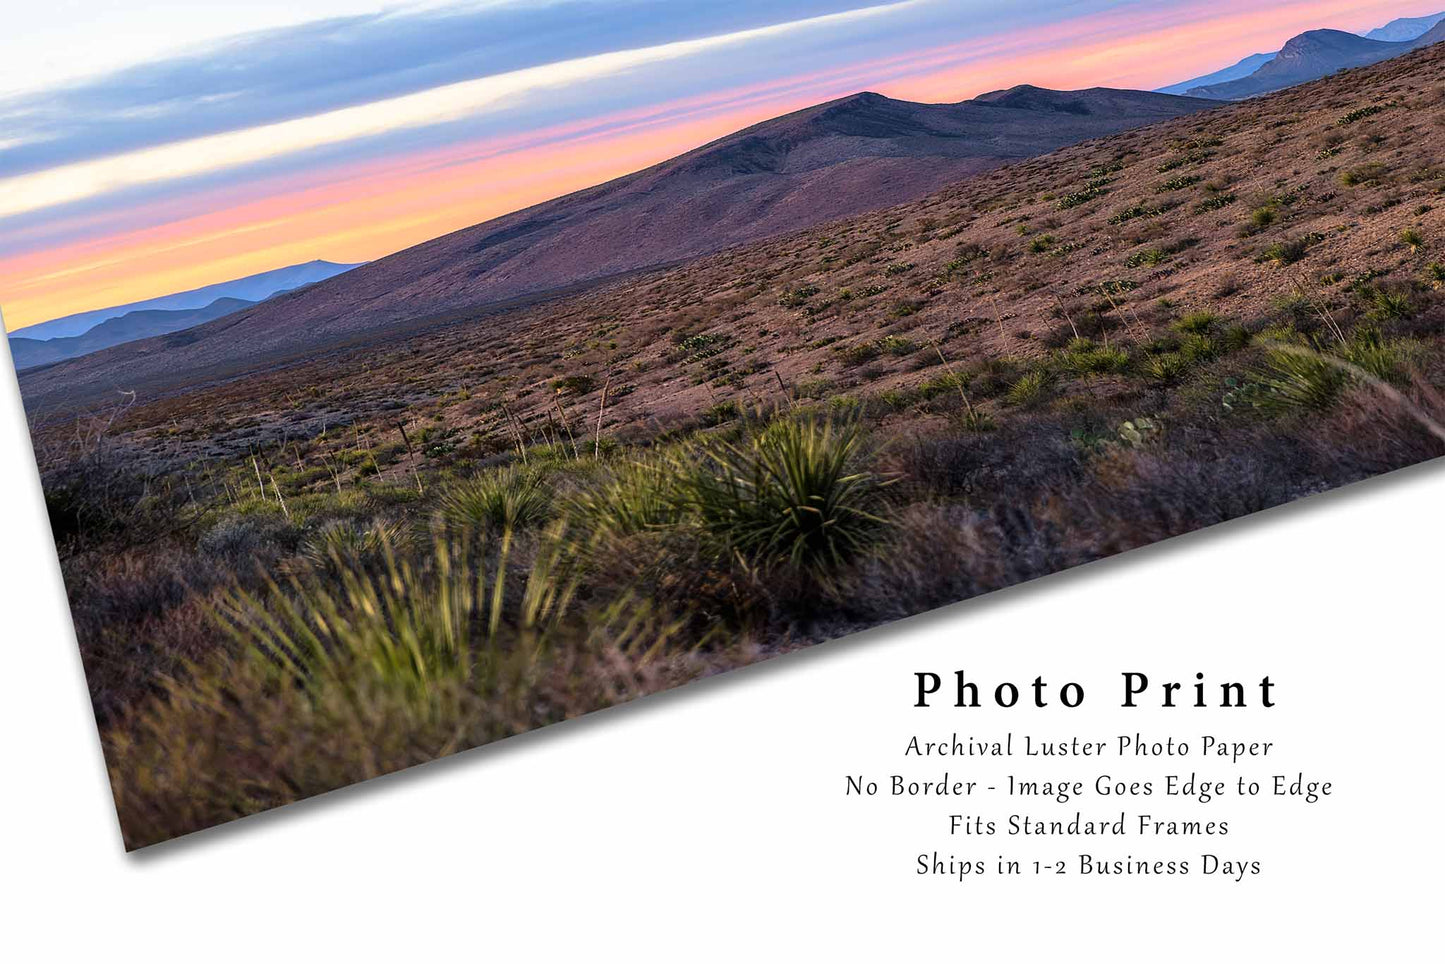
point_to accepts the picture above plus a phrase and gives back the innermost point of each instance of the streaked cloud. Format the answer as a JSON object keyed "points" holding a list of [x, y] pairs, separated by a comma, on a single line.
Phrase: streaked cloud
{"points": [[351, 137], [439, 105]]}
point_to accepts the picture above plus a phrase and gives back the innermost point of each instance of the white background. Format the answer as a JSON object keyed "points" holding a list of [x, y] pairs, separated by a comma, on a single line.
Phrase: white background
{"points": [[711, 822]]}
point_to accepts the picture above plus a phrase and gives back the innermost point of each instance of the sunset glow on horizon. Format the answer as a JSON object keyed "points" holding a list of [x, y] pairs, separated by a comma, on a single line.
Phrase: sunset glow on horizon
{"points": [[205, 186]]}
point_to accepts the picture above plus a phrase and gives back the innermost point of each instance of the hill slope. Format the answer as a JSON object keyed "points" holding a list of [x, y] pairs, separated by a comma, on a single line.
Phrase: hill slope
{"points": [[256, 287], [1310, 56], [838, 159], [132, 326]]}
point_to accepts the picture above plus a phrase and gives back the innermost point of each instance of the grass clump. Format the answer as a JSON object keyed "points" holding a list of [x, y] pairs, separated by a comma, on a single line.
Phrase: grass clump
{"points": [[1196, 323], [1288, 252], [574, 385], [508, 499], [1363, 174]]}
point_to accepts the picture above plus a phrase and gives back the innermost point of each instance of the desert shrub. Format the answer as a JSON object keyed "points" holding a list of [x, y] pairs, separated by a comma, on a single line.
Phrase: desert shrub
{"points": [[797, 297], [1360, 113], [794, 495], [636, 496], [1149, 256], [897, 346], [94, 498], [1034, 388], [1179, 183], [721, 413], [1097, 361], [574, 384], [1370, 351], [1076, 198], [1262, 217], [511, 498], [1369, 173], [1194, 349], [1288, 252], [941, 554], [246, 540], [1215, 203], [1019, 457], [1390, 304], [1297, 381], [353, 541], [1196, 323], [1166, 368]]}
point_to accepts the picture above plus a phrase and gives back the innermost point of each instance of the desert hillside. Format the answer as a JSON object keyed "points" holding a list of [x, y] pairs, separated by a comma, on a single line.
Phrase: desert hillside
{"points": [[853, 155]]}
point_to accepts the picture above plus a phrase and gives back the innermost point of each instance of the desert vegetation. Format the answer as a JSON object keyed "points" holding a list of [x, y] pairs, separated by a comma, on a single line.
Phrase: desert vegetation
{"points": [[287, 582]]}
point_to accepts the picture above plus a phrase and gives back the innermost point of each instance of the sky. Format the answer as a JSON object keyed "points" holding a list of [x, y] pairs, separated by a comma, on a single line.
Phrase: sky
{"points": [[153, 146]]}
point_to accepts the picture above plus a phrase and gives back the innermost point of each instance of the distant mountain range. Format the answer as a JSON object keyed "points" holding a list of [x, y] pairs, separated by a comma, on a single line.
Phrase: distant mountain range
{"points": [[1405, 28], [1244, 68], [837, 159], [91, 331], [1312, 55], [256, 287], [132, 326]]}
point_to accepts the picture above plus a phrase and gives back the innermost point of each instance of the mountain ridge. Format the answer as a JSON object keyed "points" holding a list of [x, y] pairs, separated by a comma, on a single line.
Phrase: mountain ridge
{"points": [[258, 286], [1244, 68], [1403, 29], [833, 160], [1309, 56], [28, 353]]}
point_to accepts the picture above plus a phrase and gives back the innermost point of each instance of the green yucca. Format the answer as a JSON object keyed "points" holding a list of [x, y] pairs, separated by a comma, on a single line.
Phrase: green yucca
{"points": [[508, 499], [403, 624], [1298, 379], [354, 541], [1032, 389], [793, 494], [636, 497]]}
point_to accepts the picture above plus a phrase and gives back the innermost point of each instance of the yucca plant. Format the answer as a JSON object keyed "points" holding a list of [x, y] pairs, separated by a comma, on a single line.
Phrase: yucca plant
{"points": [[1030, 390], [337, 679], [795, 494], [352, 540], [635, 497], [403, 624], [1292, 380], [1369, 350], [508, 499]]}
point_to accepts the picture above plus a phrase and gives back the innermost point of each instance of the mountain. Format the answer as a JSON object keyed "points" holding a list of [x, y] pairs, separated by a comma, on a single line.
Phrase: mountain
{"points": [[1435, 35], [1310, 56], [827, 162], [1405, 28], [1244, 68], [1307, 58], [256, 287], [132, 326]]}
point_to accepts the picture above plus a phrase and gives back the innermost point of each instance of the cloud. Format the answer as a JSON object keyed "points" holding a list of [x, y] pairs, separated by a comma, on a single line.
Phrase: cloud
{"points": [[450, 103], [298, 71]]}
